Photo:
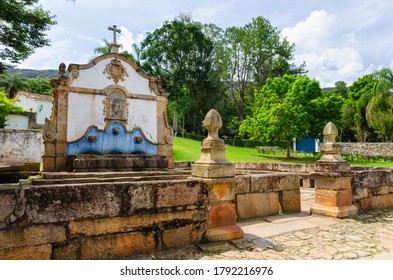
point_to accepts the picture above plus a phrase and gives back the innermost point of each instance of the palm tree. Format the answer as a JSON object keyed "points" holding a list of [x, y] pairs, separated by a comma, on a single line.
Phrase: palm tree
{"points": [[379, 110], [13, 83]]}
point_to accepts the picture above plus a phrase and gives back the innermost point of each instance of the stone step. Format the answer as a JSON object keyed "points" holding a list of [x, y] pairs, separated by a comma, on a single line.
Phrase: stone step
{"points": [[90, 180], [64, 175]]}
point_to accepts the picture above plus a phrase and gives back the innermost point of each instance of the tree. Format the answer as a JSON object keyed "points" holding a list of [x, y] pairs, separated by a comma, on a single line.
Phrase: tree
{"points": [[379, 110], [181, 54], [39, 85], [7, 106], [13, 83], [354, 110], [290, 107], [22, 29], [252, 54]]}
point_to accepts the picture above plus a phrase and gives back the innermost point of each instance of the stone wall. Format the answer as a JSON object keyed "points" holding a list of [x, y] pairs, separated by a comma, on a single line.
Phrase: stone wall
{"points": [[18, 147], [372, 189], [118, 220], [100, 221], [367, 149]]}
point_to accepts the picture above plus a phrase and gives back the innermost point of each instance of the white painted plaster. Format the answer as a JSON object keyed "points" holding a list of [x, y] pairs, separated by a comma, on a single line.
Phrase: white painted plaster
{"points": [[95, 78], [43, 108], [16, 122], [142, 114], [21, 146], [84, 110]]}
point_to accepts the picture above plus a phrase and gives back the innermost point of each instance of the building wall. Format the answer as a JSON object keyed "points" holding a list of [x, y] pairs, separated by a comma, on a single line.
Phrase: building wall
{"points": [[16, 122], [20, 146]]}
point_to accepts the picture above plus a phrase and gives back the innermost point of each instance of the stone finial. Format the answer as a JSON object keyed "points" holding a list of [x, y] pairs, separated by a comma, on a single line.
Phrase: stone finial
{"points": [[213, 123], [331, 160], [330, 132], [213, 163], [62, 70]]}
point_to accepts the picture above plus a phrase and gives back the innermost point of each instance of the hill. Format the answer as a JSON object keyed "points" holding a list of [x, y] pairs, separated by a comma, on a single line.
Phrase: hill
{"points": [[31, 73]]}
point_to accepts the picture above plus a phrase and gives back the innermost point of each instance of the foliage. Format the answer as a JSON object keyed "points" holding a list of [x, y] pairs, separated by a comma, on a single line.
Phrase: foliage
{"points": [[13, 83], [379, 110], [289, 107], [22, 27], [39, 85], [7, 106], [250, 55], [182, 55]]}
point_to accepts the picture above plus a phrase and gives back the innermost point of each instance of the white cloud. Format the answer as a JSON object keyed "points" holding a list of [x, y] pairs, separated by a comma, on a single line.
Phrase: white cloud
{"points": [[328, 58]]}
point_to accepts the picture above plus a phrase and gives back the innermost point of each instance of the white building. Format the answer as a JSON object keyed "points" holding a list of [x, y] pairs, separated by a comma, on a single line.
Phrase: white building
{"points": [[39, 104]]}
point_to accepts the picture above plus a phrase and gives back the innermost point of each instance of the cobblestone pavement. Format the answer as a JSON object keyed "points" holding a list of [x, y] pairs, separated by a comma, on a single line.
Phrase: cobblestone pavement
{"points": [[302, 237]]}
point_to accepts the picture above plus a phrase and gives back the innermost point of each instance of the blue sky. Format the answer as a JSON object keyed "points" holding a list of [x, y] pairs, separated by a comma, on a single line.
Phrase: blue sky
{"points": [[340, 40]]}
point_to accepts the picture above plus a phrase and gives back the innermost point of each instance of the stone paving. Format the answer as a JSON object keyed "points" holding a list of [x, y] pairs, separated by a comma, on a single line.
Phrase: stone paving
{"points": [[302, 237]]}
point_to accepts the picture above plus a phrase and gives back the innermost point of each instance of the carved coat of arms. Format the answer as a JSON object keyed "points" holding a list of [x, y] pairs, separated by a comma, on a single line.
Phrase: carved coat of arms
{"points": [[116, 71]]}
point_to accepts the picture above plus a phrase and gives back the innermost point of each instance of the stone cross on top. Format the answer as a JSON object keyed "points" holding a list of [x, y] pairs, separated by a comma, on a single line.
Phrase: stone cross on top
{"points": [[114, 29]]}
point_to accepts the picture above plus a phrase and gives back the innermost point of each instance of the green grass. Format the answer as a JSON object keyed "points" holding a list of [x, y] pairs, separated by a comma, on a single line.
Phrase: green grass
{"points": [[190, 150]]}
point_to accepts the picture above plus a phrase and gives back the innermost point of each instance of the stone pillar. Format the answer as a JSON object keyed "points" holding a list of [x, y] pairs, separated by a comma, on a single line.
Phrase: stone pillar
{"points": [[332, 177], [219, 178]]}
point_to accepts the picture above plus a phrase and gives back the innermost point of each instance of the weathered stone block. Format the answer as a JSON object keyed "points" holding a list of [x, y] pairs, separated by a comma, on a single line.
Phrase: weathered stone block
{"points": [[42, 252], [8, 200], [333, 198], [290, 201], [118, 246], [35, 235], [220, 189], [213, 170], [255, 205], [243, 184], [359, 193], [142, 197], [125, 224], [178, 193], [73, 202], [274, 182], [69, 251], [332, 211], [382, 201], [224, 233], [333, 183], [222, 215], [177, 237]]}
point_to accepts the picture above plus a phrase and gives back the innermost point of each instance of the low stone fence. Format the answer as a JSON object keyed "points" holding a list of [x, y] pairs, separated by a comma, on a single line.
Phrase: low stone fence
{"points": [[100, 221], [367, 149], [18, 147], [372, 189], [118, 220]]}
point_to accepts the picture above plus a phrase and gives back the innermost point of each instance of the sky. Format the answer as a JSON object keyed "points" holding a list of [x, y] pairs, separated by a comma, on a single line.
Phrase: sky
{"points": [[339, 40]]}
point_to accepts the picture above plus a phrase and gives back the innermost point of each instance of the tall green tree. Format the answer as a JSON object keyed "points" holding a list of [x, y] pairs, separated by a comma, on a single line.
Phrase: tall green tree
{"points": [[251, 55], [23, 24], [13, 83], [181, 54], [379, 110], [290, 107], [354, 110]]}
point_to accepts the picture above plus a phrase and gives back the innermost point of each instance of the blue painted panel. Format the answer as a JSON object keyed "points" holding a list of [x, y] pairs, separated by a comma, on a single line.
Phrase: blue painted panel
{"points": [[107, 142], [306, 145]]}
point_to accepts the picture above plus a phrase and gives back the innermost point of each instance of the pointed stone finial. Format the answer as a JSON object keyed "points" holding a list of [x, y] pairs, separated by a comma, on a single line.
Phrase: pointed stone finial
{"points": [[213, 163], [330, 132], [213, 123], [62, 70]]}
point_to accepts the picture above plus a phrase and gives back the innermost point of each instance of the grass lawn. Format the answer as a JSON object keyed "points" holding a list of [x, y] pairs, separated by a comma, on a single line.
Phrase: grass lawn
{"points": [[190, 150]]}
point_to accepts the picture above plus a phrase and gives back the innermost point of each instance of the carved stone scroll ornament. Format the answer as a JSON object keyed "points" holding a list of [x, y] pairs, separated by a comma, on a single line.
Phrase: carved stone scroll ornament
{"points": [[48, 132], [155, 83], [116, 71]]}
